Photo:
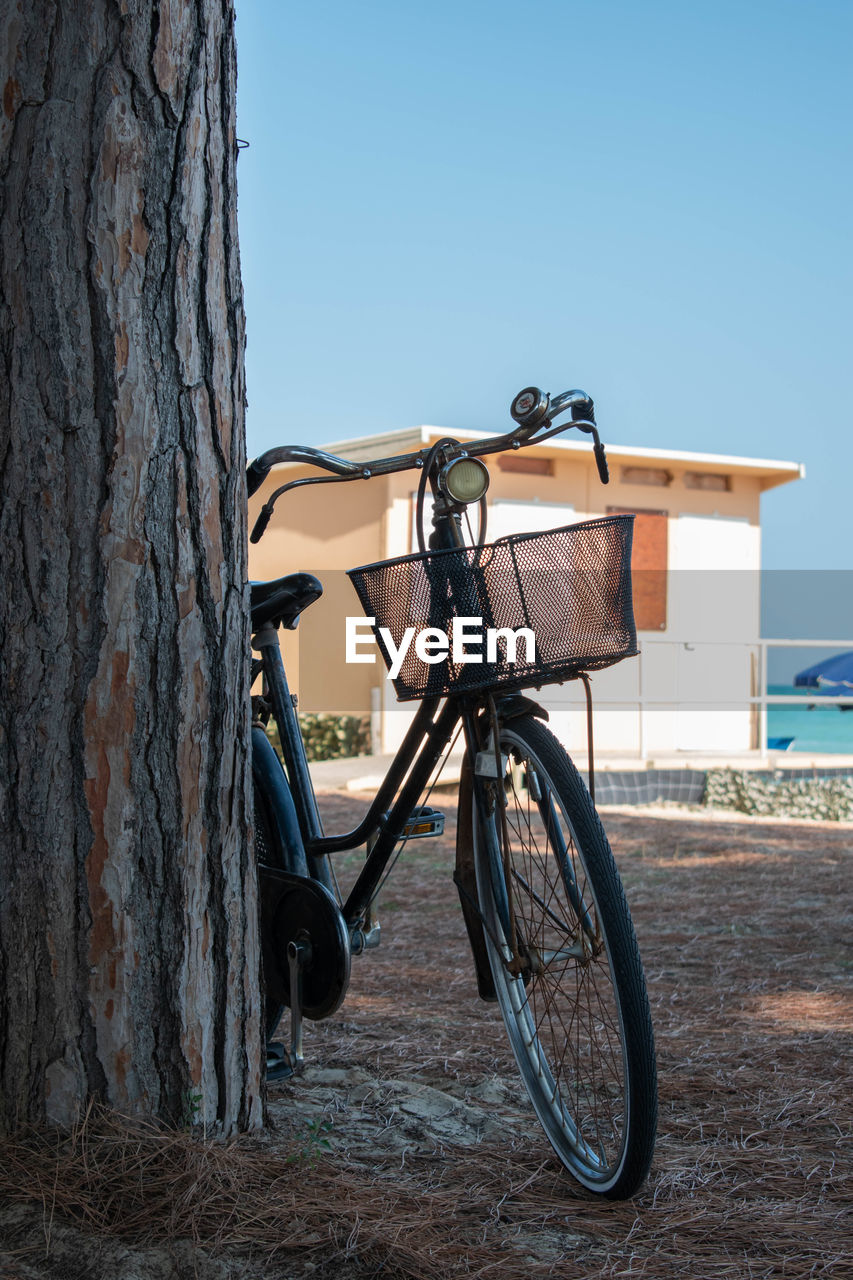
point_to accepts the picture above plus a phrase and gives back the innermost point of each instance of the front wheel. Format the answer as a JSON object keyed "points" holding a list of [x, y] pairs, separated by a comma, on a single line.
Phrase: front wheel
{"points": [[565, 962]]}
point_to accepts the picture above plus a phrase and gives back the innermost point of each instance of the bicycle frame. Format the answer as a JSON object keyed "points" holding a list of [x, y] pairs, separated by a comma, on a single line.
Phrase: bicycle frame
{"points": [[429, 734]]}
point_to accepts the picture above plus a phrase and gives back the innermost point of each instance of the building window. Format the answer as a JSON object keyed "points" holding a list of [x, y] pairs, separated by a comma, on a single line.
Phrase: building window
{"points": [[658, 476], [526, 466], [711, 481], [648, 566]]}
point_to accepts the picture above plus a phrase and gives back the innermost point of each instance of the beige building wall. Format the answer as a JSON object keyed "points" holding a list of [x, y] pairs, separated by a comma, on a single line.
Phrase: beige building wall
{"points": [[322, 529], [713, 599]]}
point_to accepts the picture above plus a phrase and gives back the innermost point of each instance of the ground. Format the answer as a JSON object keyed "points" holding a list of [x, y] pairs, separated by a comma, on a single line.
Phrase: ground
{"points": [[407, 1149]]}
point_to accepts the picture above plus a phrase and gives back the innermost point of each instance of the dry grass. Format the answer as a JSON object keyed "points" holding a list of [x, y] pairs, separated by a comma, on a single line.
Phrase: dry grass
{"points": [[745, 932], [135, 1181]]}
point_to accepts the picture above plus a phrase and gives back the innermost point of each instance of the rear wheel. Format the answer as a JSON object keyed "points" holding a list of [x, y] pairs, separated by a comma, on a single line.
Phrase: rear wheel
{"points": [[274, 818], [566, 966]]}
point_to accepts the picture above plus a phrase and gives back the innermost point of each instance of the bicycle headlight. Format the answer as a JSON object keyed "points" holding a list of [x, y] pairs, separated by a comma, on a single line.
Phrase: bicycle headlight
{"points": [[464, 479]]}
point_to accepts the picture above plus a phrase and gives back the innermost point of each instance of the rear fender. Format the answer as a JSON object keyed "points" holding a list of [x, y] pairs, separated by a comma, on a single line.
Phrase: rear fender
{"points": [[270, 778]]}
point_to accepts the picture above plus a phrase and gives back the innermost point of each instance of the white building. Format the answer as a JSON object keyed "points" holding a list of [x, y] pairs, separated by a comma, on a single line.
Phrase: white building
{"points": [[697, 556]]}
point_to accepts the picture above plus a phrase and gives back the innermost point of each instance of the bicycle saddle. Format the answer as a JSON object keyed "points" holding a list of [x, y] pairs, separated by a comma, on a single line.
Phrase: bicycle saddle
{"points": [[282, 600]]}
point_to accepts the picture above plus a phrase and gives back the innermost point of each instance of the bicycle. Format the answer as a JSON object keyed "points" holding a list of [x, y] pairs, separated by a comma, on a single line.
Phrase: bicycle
{"points": [[548, 923]]}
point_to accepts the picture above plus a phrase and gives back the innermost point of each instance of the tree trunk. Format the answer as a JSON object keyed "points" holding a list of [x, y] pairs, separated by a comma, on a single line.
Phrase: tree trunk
{"points": [[128, 924]]}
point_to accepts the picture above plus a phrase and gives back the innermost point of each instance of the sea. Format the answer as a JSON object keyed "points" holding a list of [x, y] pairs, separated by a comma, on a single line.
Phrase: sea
{"points": [[813, 726]]}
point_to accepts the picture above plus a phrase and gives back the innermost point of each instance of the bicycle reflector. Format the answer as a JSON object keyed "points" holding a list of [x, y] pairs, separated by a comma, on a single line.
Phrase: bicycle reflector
{"points": [[464, 479], [424, 821]]}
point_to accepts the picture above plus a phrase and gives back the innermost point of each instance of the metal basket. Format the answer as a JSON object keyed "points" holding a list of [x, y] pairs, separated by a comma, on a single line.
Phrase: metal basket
{"points": [[570, 587]]}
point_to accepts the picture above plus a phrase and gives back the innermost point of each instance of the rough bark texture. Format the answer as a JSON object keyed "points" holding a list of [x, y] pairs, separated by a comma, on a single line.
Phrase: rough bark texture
{"points": [[128, 935]]}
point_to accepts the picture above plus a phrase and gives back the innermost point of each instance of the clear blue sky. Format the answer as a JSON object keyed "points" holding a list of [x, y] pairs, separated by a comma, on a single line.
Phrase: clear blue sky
{"points": [[444, 202]]}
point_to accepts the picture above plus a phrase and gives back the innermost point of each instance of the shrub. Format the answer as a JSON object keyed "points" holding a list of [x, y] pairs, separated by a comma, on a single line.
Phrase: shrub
{"points": [[829, 799], [329, 737]]}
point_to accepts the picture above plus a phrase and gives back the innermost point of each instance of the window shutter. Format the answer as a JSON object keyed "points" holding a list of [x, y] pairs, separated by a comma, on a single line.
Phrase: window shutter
{"points": [[648, 566]]}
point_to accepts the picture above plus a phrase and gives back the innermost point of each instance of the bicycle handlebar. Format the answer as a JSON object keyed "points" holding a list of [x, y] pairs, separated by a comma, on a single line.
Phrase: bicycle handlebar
{"points": [[532, 409], [258, 470]]}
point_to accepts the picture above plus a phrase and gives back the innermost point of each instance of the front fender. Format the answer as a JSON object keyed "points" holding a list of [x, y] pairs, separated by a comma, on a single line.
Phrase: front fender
{"points": [[465, 879]]}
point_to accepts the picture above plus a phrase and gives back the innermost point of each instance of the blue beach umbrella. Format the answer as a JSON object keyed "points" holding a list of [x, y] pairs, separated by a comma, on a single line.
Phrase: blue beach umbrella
{"points": [[833, 676]]}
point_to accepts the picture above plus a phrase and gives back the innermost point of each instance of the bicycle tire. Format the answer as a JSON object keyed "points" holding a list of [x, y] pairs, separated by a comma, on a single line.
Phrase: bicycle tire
{"points": [[275, 822], [576, 1008]]}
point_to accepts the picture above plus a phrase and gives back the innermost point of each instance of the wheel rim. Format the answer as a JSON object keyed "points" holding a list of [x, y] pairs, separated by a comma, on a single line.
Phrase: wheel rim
{"points": [[563, 1014]]}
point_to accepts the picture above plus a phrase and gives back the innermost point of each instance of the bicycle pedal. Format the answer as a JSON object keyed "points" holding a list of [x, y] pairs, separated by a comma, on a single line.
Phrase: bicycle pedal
{"points": [[424, 821], [278, 1062]]}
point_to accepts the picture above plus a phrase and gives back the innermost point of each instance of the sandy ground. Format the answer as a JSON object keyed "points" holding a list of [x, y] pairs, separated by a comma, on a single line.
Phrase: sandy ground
{"points": [[745, 929]]}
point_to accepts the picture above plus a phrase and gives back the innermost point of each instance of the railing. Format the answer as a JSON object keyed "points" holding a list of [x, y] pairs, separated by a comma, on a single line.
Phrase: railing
{"points": [[762, 699], [765, 699]]}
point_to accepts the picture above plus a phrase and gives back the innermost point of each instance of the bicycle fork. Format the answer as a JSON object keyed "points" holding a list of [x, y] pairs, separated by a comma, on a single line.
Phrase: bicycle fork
{"points": [[492, 772]]}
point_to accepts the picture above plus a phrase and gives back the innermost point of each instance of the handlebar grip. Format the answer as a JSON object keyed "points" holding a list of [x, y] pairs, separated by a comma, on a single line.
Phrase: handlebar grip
{"points": [[256, 474], [601, 462], [260, 524]]}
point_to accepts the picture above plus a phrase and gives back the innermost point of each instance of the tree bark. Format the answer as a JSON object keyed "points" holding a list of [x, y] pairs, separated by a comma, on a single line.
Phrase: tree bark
{"points": [[128, 923]]}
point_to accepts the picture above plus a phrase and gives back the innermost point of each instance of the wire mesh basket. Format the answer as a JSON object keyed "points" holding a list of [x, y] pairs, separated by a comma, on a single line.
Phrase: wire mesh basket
{"points": [[527, 610]]}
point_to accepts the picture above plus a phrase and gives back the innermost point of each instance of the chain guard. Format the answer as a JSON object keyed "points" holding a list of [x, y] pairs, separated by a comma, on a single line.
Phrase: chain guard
{"points": [[297, 909]]}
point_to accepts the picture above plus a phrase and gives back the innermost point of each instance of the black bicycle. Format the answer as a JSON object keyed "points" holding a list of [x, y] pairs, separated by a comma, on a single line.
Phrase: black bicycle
{"points": [[550, 930]]}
